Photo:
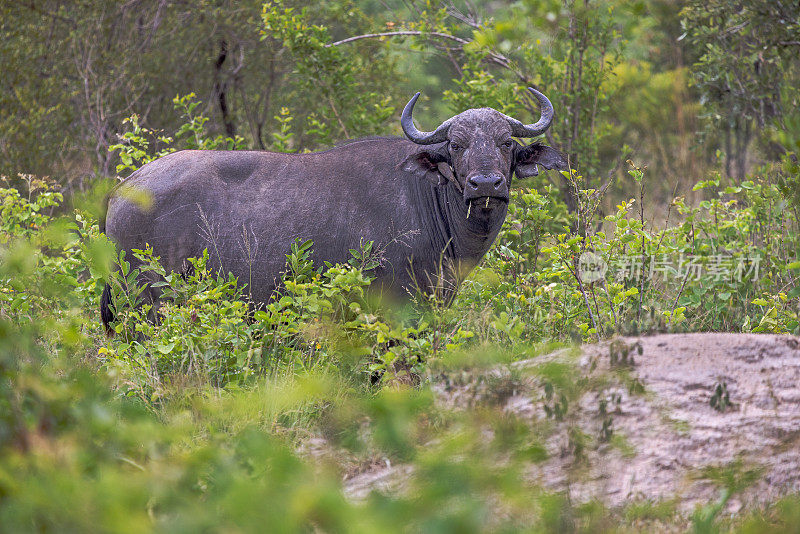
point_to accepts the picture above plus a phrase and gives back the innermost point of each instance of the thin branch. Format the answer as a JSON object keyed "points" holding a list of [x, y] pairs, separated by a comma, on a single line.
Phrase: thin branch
{"points": [[678, 297], [494, 57], [398, 33], [338, 118], [470, 20]]}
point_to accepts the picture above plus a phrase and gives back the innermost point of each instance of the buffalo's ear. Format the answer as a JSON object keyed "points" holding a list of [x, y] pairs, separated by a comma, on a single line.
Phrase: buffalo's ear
{"points": [[530, 157], [430, 164]]}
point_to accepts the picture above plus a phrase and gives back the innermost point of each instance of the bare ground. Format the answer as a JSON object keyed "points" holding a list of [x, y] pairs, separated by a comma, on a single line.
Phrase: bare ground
{"points": [[667, 442]]}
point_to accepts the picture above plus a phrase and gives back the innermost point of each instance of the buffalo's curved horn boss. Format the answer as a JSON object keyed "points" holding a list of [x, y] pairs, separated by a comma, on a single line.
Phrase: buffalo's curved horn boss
{"points": [[518, 129]]}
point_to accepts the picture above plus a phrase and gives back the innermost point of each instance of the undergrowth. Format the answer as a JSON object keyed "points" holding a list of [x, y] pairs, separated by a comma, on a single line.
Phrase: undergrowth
{"points": [[199, 415]]}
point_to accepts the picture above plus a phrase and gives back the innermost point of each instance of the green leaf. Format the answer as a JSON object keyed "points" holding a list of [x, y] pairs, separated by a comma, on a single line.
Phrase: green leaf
{"points": [[166, 348]]}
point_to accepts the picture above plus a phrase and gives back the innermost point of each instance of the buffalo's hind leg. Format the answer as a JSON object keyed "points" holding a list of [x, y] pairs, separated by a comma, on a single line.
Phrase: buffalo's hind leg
{"points": [[106, 313], [149, 295]]}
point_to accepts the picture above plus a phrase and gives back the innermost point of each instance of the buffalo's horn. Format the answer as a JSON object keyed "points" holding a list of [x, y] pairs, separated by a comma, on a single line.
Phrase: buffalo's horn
{"points": [[538, 128], [518, 129], [422, 138]]}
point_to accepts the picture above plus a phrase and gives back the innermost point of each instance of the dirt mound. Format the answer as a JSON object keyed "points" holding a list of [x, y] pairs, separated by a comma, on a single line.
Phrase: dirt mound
{"points": [[681, 416], [714, 406]]}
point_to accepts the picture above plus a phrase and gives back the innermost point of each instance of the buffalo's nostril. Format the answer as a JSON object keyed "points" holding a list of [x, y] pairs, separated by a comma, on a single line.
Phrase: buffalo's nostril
{"points": [[487, 185], [484, 180]]}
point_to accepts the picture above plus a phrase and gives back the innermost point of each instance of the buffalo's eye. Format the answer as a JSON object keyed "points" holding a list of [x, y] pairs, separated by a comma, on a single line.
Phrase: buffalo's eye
{"points": [[508, 143], [455, 147]]}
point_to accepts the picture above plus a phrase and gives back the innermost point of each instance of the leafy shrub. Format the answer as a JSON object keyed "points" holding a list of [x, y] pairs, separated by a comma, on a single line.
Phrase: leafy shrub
{"points": [[193, 420], [204, 331], [136, 147], [727, 265]]}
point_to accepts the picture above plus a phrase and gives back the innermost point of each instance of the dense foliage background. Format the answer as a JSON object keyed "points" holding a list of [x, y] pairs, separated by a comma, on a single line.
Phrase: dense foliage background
{"points": [[679, 117]]}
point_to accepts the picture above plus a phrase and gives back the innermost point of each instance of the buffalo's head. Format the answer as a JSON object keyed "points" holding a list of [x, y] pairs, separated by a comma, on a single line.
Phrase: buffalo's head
{"points": [[476, 149]]}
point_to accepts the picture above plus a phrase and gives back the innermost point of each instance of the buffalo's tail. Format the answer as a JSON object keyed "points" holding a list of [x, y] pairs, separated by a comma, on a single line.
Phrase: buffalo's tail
{"points": [[104, 213], [105, 310], [106, 315]]}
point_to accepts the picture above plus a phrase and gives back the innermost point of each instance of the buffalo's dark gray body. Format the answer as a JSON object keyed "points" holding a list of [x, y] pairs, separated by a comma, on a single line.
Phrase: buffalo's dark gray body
{"points": [[431, 205], [247, 208]]}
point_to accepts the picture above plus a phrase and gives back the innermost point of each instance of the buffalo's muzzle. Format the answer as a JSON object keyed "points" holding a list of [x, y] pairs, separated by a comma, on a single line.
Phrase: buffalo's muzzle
{"points": [[486, 185]]}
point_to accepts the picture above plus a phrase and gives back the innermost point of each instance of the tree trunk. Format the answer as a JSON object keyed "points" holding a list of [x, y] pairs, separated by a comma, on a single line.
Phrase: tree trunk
{"points": [[220, 89]]}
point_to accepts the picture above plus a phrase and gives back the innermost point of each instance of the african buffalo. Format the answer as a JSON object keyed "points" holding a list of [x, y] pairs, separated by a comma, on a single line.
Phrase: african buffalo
{"points": [[433, 204]]}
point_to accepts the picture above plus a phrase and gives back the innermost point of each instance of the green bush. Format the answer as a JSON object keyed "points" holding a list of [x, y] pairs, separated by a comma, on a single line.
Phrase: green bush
{"points": [[193, 420], [727, 265]]}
